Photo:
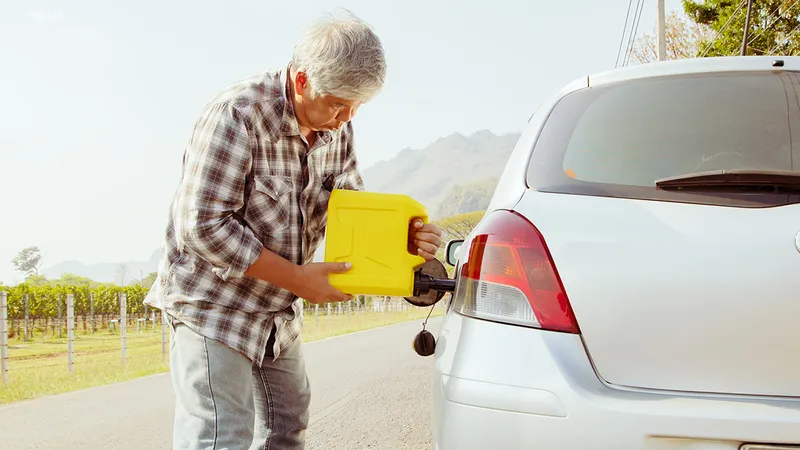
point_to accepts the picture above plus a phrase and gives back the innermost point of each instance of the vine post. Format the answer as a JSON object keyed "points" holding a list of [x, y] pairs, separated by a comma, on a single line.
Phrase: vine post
{"points": [[91, 311], [71, 332], [60, 315], [27, 317], [163, 334], [123, 321], [4, 336]]}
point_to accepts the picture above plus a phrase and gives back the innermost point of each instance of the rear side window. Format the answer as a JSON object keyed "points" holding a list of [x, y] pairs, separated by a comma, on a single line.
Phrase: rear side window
{"points": [[618, 140]]}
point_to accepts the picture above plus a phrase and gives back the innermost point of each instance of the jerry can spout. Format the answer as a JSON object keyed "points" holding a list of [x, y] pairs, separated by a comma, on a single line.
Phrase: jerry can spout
{"points": [[425, 283]]}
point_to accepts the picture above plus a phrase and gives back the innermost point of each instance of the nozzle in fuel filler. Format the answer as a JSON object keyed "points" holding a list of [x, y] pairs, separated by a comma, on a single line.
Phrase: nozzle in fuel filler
{"points": [[430, 284]]}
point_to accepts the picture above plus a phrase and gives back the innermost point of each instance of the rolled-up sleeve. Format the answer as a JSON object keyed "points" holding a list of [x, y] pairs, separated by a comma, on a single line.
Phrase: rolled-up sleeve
{"points": [[217, 161]]}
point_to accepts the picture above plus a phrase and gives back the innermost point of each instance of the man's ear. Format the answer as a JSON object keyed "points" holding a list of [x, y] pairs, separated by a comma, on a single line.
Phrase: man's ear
{"points": [[301, 83]]}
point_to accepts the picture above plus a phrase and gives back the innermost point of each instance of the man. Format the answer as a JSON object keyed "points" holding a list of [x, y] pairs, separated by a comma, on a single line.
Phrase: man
{"points": [[247, 217]]}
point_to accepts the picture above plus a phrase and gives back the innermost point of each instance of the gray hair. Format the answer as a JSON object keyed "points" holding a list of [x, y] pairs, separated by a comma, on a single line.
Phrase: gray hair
{"points": [[341, 57]]}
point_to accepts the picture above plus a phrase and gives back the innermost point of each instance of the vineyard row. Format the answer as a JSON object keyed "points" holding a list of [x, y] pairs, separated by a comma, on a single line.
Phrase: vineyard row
{"points": [[41, 310]]}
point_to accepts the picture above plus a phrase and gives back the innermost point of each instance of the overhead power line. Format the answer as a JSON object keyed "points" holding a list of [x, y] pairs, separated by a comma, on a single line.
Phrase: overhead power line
{"points": [[777, 14], [724, 27], [632, 36], [624, 31], [772, 50]]}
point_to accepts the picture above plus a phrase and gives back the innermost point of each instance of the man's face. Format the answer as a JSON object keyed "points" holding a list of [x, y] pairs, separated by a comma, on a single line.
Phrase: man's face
{"points": [[323, 112], [327, 112]]}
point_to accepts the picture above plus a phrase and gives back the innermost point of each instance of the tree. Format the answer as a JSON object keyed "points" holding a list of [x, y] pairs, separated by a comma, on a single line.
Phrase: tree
{"points": [[70, 279], [149, 280], [37, 280], [682, 38], [460, 226], [465, 198], [773, 26], [146, 282], [456, 227], [28, 261], [122, 272]]}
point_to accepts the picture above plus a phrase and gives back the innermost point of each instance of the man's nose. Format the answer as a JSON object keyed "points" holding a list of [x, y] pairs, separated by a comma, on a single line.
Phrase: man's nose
{"points": [[346, 115]]}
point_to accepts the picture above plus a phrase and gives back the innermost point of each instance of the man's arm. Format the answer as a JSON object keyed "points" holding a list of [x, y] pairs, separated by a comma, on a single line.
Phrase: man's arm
{"points": [[212, 188], [218, 160]]}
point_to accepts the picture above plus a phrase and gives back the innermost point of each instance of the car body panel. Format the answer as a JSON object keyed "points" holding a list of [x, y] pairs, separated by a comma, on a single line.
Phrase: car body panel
{"points": [[618, 384], [679, 296], [565, 405]]}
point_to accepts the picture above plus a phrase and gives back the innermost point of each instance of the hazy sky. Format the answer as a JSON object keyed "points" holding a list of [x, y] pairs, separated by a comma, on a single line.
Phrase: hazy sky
{"points": [[99, 97]]}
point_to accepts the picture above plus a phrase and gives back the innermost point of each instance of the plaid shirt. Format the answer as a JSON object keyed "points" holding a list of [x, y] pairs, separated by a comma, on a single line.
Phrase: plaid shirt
{"points": [[249, 181]]}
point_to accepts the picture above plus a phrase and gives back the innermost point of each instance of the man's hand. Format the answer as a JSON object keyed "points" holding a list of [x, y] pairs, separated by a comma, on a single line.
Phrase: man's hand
{"points": [[425, 239], [311, 283]]}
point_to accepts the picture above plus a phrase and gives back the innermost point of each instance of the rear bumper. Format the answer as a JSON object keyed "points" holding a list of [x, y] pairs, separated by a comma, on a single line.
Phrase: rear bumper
{"points": [[505, 387]]}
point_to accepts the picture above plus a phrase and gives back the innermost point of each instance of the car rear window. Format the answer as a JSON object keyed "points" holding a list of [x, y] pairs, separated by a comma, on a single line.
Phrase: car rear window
{"points": [[617, 140]]}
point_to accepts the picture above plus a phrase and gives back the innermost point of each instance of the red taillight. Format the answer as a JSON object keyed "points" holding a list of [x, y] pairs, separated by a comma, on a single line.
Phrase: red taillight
{"points": [[509, 276]]}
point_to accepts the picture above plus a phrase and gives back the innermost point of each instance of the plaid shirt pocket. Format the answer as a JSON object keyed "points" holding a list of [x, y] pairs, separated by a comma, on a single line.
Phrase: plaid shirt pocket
{"points": [[269, 208]]}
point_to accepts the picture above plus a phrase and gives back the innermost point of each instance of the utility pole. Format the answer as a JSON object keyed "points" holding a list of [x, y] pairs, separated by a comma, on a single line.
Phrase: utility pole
{"points": [[662, 31], [746, 27]]}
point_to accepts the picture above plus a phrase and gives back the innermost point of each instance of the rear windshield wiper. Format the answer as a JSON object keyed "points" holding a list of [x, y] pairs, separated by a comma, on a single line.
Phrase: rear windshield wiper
{"points": [[777, 179]]}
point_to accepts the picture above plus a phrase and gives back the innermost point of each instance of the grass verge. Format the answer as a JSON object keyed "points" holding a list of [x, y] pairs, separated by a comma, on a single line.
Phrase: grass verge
{"points": [[39, 368]]}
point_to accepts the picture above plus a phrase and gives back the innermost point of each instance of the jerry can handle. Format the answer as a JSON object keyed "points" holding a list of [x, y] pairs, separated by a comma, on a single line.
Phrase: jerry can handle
{"points": [[415, 259]]}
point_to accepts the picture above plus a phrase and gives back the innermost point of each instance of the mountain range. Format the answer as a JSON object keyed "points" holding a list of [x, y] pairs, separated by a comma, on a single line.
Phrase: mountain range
{"points": [[106, 272], [453, 175], [443, 169]]}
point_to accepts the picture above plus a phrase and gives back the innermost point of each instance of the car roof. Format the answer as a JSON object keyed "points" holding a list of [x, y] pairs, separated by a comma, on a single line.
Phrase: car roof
{"points": [[695, 66]]}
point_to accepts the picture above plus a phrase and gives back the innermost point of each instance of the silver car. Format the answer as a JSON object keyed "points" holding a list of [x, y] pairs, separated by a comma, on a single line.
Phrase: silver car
{"points": [[635, 282]]}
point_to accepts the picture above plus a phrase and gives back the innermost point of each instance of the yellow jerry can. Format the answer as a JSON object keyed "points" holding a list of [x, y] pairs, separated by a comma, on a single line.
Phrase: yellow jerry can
{"points": [[370, 230]]}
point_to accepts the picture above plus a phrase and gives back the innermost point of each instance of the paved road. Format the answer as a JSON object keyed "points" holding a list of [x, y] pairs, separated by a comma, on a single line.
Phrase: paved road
{"points": [[370, 391]]}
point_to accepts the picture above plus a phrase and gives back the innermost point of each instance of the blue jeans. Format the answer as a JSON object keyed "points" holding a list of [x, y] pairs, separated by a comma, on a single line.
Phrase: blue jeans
{"points": [[225, 401]]}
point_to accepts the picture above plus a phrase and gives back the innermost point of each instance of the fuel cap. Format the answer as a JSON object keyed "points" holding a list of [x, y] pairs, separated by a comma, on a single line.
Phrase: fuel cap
{"points": [[428, 297]]}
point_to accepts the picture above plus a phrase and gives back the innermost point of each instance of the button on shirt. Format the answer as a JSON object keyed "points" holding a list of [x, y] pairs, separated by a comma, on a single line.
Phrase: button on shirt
{"points": [[249, 181]]}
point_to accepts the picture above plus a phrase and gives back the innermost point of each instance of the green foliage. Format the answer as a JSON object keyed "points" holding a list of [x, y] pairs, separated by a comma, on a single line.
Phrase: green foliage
{"points": [[37, 280], [71, 279], [459, 226], [456, 227], [148, 281], [66, 279], [773, 26], [467, 198], [705, 13], [43, 300]]}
